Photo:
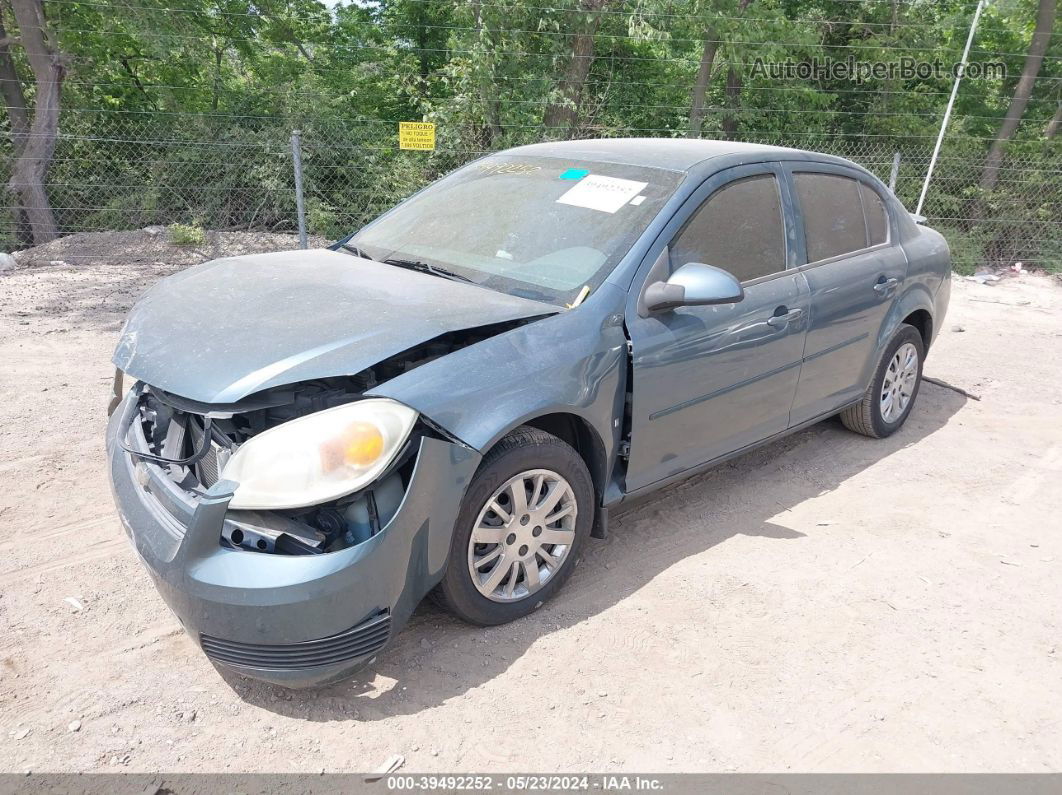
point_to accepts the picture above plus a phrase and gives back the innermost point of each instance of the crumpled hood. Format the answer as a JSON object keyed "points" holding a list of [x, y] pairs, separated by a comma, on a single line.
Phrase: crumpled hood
{"points": [[228, 328]]}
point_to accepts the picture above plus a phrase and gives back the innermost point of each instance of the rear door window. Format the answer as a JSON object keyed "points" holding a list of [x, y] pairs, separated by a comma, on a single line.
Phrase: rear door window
{"points": [[833, 214]]}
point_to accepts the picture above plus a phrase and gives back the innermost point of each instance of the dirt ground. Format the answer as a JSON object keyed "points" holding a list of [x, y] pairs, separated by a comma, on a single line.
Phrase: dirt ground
{"points": [[827, 603]]}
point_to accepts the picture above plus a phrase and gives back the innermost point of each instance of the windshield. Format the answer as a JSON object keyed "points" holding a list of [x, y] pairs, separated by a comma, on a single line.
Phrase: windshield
{"points": [[536, 227]]}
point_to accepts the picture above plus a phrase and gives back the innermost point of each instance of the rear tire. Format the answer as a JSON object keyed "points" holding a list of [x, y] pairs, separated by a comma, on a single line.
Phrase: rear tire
{"points": [[891, 395], [531, 505]]}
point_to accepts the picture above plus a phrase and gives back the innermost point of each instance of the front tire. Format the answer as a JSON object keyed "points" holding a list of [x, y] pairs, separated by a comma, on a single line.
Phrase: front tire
{"points": [[891, 395], [521, 527]]}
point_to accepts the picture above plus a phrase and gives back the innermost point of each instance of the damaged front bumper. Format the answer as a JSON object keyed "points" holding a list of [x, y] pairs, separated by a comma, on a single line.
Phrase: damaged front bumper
{"points": [[295, 620]]}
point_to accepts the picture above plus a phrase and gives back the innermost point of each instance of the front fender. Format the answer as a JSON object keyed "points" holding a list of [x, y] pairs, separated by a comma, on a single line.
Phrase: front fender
{"points": [[573, 362]]}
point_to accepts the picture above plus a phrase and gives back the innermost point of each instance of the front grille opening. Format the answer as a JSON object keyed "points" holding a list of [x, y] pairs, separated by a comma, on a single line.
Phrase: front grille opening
{"points": [[178, 443], [363, 640]]}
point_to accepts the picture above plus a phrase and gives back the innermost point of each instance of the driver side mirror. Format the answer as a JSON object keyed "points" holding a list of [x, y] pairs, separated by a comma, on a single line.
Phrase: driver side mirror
{"points": [[694, 284]]}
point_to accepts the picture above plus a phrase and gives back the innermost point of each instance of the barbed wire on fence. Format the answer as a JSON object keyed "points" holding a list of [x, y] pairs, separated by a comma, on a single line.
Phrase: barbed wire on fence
{"points": [[210, 172], [146, 180]]}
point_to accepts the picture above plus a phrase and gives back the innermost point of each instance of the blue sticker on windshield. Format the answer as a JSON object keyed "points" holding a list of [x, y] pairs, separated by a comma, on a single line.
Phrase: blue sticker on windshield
{"points": [[575, 173]]}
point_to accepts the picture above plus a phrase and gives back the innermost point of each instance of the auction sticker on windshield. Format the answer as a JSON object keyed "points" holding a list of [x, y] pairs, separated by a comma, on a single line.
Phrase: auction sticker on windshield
{"points": [[597, 192]]}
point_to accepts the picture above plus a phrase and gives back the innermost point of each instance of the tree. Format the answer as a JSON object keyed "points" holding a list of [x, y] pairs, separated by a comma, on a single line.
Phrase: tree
{"points": [[733, 102], [700, 85], [1045, 20], [34, 155], [704, 75], [18, 118], [1052, 126], [561, 118], [14, 98], [487, 41], [184, 115]]}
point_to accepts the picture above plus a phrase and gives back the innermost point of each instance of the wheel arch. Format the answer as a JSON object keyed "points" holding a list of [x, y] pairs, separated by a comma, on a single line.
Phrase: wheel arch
{"points": [[916, 302], [582, 436], [575, 430], [922, 320]]}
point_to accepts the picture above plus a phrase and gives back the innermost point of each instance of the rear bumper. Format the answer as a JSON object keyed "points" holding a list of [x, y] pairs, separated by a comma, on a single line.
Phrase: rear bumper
{"points": [[940, 304], [295, 620]]}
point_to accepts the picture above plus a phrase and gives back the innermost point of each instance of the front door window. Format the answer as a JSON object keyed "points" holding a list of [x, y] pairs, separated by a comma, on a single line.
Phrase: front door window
{"points": [[739, 229]]}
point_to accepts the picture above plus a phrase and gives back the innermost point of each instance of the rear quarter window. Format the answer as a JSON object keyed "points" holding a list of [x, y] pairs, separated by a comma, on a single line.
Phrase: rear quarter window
{"points": [[877, 218]]}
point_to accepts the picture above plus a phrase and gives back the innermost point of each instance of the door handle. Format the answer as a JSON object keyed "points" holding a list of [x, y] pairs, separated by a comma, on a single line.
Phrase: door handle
{"points": [[791, 315], [885, 286]]}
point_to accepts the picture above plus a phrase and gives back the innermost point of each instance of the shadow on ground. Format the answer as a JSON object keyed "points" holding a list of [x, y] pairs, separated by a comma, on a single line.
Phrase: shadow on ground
{"points": [[437, 658]]}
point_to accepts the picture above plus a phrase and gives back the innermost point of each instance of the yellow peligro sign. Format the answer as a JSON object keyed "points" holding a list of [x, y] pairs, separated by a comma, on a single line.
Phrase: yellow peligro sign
{"points": [[418, 135]]}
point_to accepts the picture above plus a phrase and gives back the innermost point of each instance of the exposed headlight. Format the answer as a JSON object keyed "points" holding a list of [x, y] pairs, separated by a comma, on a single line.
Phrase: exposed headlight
{"points": [[319, 457]]}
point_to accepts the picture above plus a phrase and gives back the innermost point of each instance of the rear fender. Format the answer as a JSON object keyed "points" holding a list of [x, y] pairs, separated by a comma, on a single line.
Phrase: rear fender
{"points": [[917, 296]]}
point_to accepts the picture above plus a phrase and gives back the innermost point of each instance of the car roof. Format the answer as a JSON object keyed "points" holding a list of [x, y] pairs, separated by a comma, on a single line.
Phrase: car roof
{"points": [[675, 154]]}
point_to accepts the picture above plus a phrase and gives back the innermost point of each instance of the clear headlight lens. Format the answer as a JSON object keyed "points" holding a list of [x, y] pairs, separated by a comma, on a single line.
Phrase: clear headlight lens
{"points": [[319, 457]]}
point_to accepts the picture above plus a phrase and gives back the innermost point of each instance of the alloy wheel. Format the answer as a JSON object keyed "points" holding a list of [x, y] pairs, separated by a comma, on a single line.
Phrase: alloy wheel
{"points": [[522, 535], [901, 378]]}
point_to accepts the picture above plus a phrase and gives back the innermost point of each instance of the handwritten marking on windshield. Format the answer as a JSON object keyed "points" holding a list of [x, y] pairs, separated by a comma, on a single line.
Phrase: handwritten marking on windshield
{"points": [[507, 168]]}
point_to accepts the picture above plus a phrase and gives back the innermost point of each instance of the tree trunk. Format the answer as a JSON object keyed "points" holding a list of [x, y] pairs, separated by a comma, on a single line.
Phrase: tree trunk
{"points": [[1045, 20], [14, 99], [18, 118], [704, 77], [562, 116], [700, 86], [733, 102], [215, 94], [31, 164], [488, 86], [1052, 126], [493, 108]]}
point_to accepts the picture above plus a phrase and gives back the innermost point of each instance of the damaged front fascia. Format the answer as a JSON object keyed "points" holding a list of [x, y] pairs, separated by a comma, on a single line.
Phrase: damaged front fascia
{"points": [[548, 362], [240, 420], [157, 429], [280, 404]]}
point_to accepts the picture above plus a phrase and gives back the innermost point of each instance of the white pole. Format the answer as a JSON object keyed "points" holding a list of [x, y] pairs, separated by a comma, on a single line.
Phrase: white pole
{"points": [[895, 173], [951, 101], [300, 205]]}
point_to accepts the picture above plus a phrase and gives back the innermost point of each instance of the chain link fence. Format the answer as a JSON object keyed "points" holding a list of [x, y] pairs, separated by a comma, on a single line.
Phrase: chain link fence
{"points": [[197, 187]]}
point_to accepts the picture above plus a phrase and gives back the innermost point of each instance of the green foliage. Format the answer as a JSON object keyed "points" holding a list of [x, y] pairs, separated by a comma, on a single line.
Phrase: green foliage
{"points": [[182, 112], [967, 247], [322, 219], [186, 235]]}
